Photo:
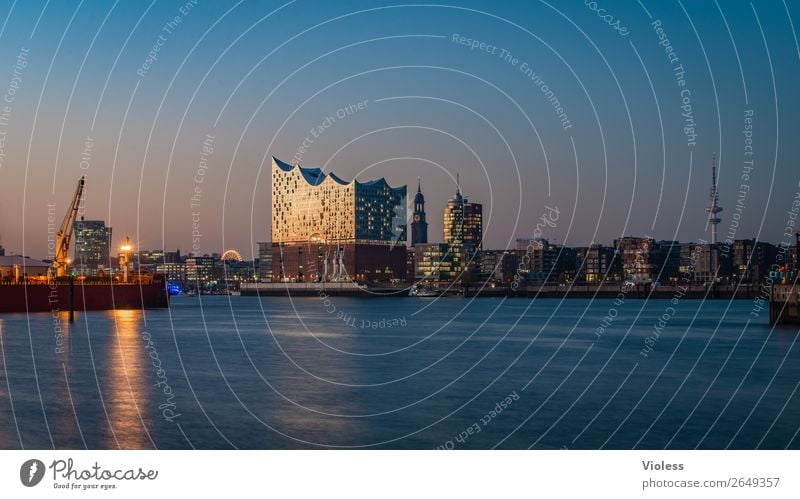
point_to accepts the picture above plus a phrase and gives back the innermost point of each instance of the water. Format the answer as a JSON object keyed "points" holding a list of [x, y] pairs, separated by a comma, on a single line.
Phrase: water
{"points": [[243, 372]]}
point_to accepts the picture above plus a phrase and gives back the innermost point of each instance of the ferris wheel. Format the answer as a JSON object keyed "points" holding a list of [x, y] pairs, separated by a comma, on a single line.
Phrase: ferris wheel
{"points": [[231, 255]]}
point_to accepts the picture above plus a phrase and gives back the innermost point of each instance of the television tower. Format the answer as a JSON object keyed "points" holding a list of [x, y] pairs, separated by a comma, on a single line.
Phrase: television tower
{"points": [[713, 202]]}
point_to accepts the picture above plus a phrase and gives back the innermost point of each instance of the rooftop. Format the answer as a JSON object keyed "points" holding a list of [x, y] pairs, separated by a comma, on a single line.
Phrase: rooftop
{"points": [[23, 261], [315, 176]]}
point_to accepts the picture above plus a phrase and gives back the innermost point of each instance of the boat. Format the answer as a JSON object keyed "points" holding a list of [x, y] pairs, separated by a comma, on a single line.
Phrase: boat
{"points": [[87, 294], [35, 287], [420, 290]]}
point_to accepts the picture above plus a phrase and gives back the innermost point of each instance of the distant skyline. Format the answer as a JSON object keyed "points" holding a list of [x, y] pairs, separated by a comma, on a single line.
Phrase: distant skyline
{"points": [[173, 111]]}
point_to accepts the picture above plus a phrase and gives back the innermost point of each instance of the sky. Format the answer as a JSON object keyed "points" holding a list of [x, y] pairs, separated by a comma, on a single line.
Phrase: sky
{"points": [[609, 112]]}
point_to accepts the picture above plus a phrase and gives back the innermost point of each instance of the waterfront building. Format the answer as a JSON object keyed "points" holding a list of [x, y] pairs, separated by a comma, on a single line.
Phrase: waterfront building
{"points": [[15, 268], [795, 255], [491, 261], [687, 259], [645, 260], [173, 272], [327, 229], [499, 265], [265, 262], [787, 259], [463, 223], [173, 256], [597, 263], [463, 233], [545, 262], [92, 247], [234, 272], [201, 271], [434, 262], [706, 262], [565, 265], [419, 227], [152, 261], [149, 257], [411, 265], [752, 259]]}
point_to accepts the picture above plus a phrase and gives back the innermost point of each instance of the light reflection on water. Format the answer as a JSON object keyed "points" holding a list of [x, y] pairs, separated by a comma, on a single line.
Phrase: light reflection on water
{"points": [[126, 396], [269, 380]]}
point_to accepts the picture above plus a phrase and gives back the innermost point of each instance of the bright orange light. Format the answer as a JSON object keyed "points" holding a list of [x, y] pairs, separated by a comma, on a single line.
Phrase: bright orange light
{"points": [[126, 247]]}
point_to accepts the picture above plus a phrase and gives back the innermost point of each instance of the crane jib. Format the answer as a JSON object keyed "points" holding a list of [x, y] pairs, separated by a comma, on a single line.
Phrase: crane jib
{"points": [[64, 235]]}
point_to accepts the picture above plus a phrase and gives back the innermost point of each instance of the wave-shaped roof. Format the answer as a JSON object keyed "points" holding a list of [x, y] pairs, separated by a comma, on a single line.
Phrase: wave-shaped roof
{"points": [[315, 176]]}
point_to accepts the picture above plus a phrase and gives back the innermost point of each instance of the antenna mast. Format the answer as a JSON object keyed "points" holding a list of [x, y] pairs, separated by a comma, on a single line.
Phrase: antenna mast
{"points": [[713, 201]]}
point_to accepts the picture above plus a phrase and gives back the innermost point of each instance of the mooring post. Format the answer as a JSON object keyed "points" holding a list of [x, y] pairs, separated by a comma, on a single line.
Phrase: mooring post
{"points": [[71, 296]]}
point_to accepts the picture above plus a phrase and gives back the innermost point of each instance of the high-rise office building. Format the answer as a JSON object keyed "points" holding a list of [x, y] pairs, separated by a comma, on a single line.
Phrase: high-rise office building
{"points": [[419, 227], [463, 223], [326, 229], [265, 262], [463, 233], [92, 247]]}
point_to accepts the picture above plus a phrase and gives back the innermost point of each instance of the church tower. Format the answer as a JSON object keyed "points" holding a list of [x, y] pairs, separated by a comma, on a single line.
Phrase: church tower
{"points": [[419, 227]]}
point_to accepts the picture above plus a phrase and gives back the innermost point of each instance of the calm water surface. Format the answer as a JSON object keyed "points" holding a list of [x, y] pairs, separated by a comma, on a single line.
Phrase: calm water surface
{"points": [[244, 372]]}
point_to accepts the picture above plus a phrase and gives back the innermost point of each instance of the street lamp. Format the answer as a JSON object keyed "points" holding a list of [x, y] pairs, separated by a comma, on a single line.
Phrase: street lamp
{"points": [[126, 249]]}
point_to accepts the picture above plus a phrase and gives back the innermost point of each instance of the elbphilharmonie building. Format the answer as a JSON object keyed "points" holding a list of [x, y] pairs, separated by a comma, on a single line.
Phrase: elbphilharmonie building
{"points": [[327, 229]]}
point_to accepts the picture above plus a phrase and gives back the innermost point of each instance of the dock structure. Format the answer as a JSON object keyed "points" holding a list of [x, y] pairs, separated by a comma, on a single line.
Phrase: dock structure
{"points": [[784, 304], [298, 289], [605, 290]]}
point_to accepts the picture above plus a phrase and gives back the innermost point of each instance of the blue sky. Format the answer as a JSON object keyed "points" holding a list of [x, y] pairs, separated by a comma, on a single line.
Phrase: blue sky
{"points": [[259, 76]]}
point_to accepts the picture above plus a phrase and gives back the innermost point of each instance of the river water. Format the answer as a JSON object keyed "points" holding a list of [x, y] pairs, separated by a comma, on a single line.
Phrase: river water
{"points": [[273, 373]]}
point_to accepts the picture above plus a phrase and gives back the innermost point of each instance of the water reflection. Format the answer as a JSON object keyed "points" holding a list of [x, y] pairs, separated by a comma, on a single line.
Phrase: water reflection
{"points": [[67, 429], [304, 406], [111, 371], [8, 438], [126, 391]]}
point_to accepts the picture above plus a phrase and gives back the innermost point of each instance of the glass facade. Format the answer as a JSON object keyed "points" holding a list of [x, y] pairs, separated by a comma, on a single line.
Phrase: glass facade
{"points": [[265, 262], [434, 261], [380, 212], [92, 247], [174, 272], [324, 228], [463, 223], [645, 260], [309, 206], [463, 232], [199, 270]]}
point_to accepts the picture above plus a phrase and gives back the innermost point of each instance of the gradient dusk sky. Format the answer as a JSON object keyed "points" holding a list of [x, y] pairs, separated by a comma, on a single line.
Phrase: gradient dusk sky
{"points": [[401, 91]]}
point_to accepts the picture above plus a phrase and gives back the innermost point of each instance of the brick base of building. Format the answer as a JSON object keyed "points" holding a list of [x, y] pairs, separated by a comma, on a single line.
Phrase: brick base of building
{"points": [[307, 262]]}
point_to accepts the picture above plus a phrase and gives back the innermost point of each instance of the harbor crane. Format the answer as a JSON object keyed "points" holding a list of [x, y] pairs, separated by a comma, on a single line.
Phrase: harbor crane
{"points": [[64, 235]]}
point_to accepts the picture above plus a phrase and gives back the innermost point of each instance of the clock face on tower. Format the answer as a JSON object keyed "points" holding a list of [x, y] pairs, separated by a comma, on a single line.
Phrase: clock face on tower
{"points": [[416, 217]]}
